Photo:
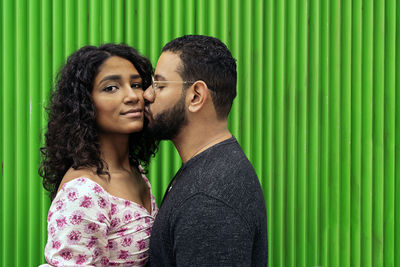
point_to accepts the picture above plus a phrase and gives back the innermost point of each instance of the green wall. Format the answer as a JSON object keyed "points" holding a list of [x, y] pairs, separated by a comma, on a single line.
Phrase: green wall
{"points": [[316, 113]]}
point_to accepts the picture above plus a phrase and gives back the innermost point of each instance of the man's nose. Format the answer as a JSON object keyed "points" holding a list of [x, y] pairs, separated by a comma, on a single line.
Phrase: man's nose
{"points": [[149, 95]]}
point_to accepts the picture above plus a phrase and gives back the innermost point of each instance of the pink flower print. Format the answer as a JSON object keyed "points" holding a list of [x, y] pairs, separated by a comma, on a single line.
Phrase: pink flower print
{"points": [[72, 194], [66, 254], [59, 204], [52, 231], [127, 203], [142, 256], [91, 228], [52, 262], [81, 180], [97, 189], [127, 217], [123, 255], [74, 237], [111, 245], [92, 242], [56, 244], [136, 215], [61, 222], [101, 218], [97, 252], [49, 216], [76, 217], [127, 241], [87, 202], [148, 231], [139, 227], [80, 259], [141, 244], [102, 203], [104, 261], [146, 220], [121, 231], [115, 222], [114, 209]]}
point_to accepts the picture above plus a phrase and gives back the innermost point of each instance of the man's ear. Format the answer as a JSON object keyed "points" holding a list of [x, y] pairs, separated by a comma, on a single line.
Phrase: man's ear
{"points": [[197, 96]]}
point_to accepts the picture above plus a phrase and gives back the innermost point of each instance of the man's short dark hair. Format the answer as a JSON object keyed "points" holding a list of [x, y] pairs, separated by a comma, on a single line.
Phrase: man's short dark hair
{"points": [[208, 59]]}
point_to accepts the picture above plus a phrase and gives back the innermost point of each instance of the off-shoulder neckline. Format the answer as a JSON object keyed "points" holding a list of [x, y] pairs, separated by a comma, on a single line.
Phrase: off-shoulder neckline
{"points": [[152, 210]]}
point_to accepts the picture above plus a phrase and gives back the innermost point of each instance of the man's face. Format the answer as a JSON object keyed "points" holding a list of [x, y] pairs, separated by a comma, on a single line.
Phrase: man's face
{"points": [[165, 105]]}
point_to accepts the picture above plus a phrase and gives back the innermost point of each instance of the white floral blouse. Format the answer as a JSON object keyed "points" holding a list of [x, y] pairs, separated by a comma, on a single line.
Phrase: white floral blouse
{"points": [[89, 227]]}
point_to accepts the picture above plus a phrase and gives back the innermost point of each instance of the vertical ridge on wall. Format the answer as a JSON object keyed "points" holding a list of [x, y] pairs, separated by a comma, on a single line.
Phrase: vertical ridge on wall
{"points": [[314, 229], [334, 129], [233, 122], [33, 252], [397, 140], [367, 152], [325, 107], [8, 184], [378, 127], [389, 134], [302, 133], [345, 134], [278, 139], [2, 138], [291, 139], [268, 82], [118, 19], [69, 27], [82, 23], [356, 134], [316, 113], [106, 21]]}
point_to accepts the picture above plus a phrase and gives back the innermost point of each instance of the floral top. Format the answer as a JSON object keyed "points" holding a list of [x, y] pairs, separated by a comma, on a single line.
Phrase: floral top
{"points": [[87, 226]]}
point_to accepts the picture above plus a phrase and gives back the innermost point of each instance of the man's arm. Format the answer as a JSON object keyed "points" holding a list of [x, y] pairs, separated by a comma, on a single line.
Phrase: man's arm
{"points": [[207, 232]]}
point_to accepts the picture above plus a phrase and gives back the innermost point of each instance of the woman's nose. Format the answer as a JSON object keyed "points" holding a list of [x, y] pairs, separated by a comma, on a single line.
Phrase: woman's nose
{"points": [[133, 95]]}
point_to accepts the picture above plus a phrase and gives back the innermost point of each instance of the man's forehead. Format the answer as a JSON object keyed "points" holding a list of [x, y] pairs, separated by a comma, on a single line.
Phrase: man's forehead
{"points": [[168, 61]]}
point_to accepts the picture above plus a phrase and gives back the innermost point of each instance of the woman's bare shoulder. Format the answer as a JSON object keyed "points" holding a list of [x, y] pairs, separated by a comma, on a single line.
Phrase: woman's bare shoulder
{"points": [[73, 174]]}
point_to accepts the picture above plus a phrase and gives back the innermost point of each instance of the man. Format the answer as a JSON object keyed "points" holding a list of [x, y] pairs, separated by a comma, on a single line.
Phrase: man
{"points": [[213, 213]]}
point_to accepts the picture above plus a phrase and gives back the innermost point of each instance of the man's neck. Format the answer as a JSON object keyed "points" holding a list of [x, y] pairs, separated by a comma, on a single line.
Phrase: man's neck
{"points": [[191, 141]]}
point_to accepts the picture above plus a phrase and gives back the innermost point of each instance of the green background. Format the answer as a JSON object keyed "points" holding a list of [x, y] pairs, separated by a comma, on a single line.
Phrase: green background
{"points": [[316, 113]]}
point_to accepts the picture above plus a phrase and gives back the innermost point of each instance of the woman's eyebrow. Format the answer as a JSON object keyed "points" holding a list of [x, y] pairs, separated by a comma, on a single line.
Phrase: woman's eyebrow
{"points": [[111, 78], [135, 76]]}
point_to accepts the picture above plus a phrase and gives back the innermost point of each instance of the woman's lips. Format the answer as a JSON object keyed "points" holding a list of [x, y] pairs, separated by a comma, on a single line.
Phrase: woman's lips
{"points": [[136, 113]]}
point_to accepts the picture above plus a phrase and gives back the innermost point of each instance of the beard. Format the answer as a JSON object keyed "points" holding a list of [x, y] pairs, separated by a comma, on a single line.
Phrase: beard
{"points": [[167, 124]]}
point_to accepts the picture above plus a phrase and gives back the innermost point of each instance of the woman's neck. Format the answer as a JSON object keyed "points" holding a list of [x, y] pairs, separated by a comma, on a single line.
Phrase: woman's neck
{"points": [[115, 152]]}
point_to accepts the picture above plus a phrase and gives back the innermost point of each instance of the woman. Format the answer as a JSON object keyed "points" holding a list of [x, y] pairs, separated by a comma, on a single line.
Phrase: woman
{"points": [[102, 206]]}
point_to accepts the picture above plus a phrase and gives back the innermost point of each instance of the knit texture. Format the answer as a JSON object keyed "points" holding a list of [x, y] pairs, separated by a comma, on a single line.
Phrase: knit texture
{"points": [[214, 214]]}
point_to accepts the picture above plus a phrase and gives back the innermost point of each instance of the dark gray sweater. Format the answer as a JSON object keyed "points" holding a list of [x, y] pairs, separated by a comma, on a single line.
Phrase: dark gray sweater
{"points": [[214, 214]]}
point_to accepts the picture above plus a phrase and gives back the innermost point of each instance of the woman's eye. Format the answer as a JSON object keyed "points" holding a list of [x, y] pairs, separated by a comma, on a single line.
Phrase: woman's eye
{"points": [[110, 88], [137, 85]]}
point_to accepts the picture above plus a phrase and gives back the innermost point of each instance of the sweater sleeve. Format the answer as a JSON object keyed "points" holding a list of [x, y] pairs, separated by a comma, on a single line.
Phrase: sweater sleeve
{"points": [[77, 225], [207, 232]]}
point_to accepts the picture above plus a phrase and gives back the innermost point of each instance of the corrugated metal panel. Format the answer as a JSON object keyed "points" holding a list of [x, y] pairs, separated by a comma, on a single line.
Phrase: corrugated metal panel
{"points": [[316, 113]]}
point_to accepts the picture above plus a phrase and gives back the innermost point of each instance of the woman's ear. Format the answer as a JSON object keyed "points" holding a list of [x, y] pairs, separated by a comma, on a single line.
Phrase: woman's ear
{"points": [[197, 96]]}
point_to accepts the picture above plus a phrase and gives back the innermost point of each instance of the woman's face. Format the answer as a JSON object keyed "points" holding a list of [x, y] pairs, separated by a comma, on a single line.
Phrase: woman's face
{"points": [[118, 97]]}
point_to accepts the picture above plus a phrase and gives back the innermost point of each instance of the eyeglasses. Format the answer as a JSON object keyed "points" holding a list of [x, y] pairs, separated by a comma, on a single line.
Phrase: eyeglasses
{"points": [[160, 84]]}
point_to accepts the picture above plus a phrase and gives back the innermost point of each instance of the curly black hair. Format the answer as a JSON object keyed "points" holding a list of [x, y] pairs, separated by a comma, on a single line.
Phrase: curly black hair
{"points": [[71, 139]]}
